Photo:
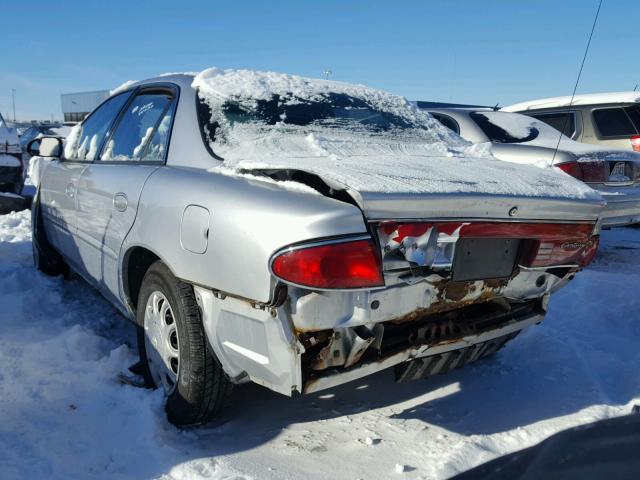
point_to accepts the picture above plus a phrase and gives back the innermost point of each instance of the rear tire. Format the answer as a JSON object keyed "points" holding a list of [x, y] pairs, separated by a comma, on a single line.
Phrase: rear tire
{"points": [[181, 362]]}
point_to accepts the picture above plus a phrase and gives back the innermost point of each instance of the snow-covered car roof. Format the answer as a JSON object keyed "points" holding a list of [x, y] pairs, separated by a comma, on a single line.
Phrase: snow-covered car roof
{"points": [[585, 99]]}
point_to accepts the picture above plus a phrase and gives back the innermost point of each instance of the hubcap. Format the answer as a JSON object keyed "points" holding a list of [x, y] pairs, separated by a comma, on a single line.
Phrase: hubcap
{"points": [[161, 342]]}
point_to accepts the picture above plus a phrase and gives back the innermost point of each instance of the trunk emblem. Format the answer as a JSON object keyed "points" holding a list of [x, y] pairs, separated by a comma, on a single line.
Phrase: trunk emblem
{"points": [[513, 212], [570, 246]]}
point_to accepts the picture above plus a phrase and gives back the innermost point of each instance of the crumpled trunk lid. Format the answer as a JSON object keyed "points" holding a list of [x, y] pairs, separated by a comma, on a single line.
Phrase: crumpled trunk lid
{"points": [[405, 178]]}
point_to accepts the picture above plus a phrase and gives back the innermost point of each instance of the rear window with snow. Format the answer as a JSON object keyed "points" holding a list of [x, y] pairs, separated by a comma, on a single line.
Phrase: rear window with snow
{"points": [[330, 110], [502, 127], [245, 108], [613, 123]]}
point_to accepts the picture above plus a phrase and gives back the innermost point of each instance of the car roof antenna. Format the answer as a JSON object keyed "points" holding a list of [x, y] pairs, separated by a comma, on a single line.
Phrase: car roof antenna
{"points": [[575, 87]]}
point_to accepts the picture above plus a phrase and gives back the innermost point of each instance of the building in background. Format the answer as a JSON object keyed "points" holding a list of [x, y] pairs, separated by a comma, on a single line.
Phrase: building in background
{"points": [[76, 106]]}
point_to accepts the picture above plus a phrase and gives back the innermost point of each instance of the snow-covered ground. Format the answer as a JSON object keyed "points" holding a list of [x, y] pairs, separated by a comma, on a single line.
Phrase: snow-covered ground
{"points": [[64, 415]]}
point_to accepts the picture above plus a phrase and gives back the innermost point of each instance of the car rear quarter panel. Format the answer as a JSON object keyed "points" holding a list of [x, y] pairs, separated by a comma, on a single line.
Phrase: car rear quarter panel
{"points": [[249, 220]]}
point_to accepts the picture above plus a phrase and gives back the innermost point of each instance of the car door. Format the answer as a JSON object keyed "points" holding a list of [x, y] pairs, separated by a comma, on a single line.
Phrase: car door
{"points": [[58, 185], [109, 189]]}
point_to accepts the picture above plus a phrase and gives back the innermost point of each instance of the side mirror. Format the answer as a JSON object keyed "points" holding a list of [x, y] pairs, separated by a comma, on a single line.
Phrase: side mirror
{"points": [[50, 147]]}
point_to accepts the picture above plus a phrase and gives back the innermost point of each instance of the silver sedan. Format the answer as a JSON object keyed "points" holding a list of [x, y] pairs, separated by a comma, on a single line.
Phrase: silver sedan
{"points": [[300, 234]]}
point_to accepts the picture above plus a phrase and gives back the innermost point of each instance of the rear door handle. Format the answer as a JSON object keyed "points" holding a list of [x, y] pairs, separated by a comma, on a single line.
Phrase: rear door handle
{"points": [[120, 202], [70, 190]]}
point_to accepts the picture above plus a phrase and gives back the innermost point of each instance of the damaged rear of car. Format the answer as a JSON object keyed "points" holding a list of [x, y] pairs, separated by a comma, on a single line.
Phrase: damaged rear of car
{"points": [[458, 254], [301, 233]]}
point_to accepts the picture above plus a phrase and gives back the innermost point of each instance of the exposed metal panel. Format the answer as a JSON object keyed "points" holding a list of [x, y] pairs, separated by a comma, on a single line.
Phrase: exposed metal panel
{"points": [[82, 101]]}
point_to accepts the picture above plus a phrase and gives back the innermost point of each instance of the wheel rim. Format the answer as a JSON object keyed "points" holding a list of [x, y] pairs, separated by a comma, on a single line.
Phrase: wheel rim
{"points": [[161, 341]]}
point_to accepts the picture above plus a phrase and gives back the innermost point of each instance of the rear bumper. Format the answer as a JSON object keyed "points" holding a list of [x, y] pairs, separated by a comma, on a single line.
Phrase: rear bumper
{"points": [[623, 206], [448, 355]]}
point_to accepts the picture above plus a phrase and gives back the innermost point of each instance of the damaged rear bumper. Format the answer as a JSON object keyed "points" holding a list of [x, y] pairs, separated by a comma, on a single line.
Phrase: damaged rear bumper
{"points": [[261, 344], [430, 359]]}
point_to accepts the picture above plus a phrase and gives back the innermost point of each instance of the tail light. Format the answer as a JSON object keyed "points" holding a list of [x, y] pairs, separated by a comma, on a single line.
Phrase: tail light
{"points": [[345, 264], [590, 172], [578, 251], [432, 245], [635, 143]]}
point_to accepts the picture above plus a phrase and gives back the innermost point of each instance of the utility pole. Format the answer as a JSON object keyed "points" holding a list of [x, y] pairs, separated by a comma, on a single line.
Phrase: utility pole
{"points": [[13, 100]]}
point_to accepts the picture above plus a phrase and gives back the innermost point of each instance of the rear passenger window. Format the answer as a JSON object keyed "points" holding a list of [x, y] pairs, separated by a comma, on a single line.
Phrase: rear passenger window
{"points": [[86, 144], [613, 122], [564, 122], [143, 131], [447, 121]]}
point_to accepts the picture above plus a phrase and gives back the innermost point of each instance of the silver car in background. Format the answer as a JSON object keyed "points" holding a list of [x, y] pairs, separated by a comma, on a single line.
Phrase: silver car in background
{"points": [[614, 173], [300, 234]]}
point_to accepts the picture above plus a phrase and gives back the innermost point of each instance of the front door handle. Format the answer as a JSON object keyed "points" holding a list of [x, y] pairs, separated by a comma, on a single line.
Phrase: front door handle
{"points": [[120, 202], [70, 191]]}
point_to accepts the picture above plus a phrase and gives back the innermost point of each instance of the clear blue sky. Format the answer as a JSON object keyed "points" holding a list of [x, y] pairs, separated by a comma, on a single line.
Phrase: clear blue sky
{"points": [[484, 51]]}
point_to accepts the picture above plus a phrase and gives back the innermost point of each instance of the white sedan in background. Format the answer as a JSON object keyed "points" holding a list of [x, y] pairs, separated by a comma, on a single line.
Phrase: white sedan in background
{"points": [[517, 138]]}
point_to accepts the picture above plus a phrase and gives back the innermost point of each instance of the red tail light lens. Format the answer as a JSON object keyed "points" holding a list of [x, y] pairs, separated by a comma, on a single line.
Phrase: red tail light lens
{"points": [[343, 265], [591, 172], [635, 143], [577, 251]]}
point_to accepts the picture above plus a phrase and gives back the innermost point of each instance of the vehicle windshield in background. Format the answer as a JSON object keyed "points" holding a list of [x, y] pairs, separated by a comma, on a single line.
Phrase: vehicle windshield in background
{"points": [[503, 127]]}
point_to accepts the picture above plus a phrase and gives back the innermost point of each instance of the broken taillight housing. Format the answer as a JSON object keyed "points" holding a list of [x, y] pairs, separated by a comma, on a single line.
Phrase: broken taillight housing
{"points": [[590, 172], [433, 245], [343, 264], [550, 253]]}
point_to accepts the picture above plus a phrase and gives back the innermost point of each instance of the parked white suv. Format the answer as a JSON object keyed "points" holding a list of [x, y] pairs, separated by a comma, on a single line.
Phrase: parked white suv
{"points": [[608, 119]]}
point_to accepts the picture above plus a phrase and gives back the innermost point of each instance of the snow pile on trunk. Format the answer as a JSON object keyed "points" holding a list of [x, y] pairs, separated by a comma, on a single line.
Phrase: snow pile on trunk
{"points": [[425, 159], [64, 415]]}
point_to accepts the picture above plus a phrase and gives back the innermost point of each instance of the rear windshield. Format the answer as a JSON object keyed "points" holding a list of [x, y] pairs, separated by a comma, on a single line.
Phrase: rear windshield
{"points": [[615, 122], [564, 122], [503, 127]]}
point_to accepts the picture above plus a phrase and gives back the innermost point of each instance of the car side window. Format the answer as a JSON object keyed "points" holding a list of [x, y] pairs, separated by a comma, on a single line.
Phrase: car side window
{"points": [[142, 133], [86, 144], [613, 122], [564, 122]]}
